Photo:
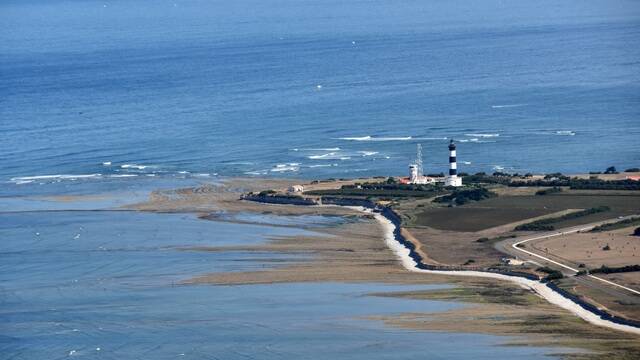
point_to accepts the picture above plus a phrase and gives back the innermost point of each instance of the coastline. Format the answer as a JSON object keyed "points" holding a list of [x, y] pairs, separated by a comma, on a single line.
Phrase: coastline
{"points": [[353, 252], [412, 261], [538, 287]]}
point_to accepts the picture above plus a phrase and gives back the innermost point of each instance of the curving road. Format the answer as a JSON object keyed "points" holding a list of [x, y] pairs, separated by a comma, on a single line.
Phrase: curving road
{"points": [[511, 247]]}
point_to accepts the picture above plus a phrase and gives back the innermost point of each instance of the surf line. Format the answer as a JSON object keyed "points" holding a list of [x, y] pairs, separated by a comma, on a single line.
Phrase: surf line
{"points": [[411, 261]]}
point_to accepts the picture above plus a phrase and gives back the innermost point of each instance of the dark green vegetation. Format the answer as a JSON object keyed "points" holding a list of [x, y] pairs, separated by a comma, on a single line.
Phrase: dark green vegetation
{"points": [[552, 180], [612, 270], [611, 170], [633, 170], [636, 232], [463, 196], [548, 223], [551, 273], [387, 189], [495, 239], [549, 191], [617, 225], [502, 210]]}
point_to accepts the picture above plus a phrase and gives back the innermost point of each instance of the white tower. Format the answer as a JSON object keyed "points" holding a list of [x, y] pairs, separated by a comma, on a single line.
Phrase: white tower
{"points": [[452, 179], [413, 174]]}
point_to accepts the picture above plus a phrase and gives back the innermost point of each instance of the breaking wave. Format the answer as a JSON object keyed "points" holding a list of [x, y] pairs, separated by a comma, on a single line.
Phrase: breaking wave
{"points": [[482, 135], [293, 167], [565, 133], [368, 153], [371, 138]]}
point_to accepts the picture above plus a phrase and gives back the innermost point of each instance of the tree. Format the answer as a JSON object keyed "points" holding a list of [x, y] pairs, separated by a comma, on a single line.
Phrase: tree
{"points": [[611, 170]]}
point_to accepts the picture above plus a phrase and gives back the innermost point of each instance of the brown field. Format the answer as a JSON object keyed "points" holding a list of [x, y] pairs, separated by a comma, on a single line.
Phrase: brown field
{"points": [[455, 248], [507, 209], [586, 248]]}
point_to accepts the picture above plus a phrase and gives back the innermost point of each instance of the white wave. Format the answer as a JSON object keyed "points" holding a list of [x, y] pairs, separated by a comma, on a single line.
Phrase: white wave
{"points": [[506, 106], [286, 167], [430, 138], [322, 165], [467, 162], [107, 163], [29, 179], [319, 149], [370, 138], [565, 133], [498, 167], [368, 153], [183, 172], [123, 175], [323, 156], [482, 135], [135, 166], [257, 172], [329, 156]]}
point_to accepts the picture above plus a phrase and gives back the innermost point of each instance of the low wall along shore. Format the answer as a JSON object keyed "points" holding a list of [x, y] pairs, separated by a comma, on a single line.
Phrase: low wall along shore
{"points": [[580, 307]]}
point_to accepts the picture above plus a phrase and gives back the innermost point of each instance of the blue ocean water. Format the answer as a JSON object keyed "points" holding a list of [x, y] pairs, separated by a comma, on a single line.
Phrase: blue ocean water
{"points": [[315, 88], [119, 98]]}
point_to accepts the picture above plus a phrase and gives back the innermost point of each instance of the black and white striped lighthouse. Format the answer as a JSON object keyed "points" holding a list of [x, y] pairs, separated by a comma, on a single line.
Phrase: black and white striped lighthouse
{"points": [[453, 179]]}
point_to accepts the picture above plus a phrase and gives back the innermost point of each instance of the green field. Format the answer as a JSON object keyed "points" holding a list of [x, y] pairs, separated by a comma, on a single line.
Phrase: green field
{"points": [[503, 210]]}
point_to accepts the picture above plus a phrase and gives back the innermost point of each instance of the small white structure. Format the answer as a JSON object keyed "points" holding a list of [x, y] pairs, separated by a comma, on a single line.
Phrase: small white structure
{"points": [[296, 189], [452, 179], [416, 178], [511, 261]]}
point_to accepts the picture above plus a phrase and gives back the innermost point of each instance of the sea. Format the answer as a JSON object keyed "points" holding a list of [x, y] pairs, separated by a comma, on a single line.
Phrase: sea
{"points": [[125, 97]]}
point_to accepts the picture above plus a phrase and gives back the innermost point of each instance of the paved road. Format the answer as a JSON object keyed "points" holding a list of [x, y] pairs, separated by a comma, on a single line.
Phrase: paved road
{"points": [[511, 247]]}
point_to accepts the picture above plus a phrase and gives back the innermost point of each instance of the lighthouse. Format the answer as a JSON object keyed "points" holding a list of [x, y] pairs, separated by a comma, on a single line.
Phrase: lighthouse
{"points": [[452, 179]]}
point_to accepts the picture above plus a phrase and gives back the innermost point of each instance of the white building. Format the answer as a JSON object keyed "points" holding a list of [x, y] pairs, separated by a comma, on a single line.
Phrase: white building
{"points": [[416, 178], [296, 189]]}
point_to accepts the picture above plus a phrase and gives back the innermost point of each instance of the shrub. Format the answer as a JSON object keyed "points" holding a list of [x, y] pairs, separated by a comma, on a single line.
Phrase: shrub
{"points": [[553, 190], [633, 170], [636, 232], [606, 248], [547, 224], [611, 170], [617, 225], [612, 270], [552, 274], [461, 197]]}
